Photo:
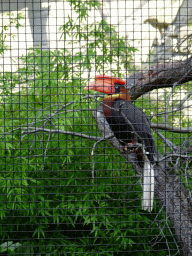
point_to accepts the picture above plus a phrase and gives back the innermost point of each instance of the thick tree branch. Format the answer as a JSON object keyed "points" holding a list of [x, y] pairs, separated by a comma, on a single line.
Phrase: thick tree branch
{"points": [[168, 188], [159, 76]]}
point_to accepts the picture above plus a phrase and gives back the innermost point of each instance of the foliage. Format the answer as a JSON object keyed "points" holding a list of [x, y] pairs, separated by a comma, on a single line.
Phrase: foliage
{"points": [[8, 80], [9, 19], [46, 188]]}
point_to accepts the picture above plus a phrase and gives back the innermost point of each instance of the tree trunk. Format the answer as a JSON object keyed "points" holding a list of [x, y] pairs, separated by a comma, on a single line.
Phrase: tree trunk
{"points": [[169, 189]]}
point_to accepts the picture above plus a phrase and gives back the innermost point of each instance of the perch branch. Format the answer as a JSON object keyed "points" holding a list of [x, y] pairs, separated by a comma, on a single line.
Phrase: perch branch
{"points": [[168, 189], [159, 76]]}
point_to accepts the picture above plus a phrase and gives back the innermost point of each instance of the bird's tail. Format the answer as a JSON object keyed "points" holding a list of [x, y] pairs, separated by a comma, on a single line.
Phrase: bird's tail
{"points": [[148, 185]]}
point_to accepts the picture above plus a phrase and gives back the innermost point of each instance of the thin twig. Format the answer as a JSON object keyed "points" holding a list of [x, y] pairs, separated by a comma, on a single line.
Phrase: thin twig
{"points": [[172, 146], [185, 99], [163, 236], [171, 93], [92, 153], [171, 111], [30, 130], [171, 155], [44, 154], [171, 129], [174, 85]]}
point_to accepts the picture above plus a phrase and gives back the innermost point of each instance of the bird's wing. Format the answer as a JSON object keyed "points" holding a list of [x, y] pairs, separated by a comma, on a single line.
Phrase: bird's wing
{"points": [[124, 112]]}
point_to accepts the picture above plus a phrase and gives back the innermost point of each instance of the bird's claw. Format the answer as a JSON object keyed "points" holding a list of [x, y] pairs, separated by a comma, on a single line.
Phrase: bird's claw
{"points": [[132, 147]]}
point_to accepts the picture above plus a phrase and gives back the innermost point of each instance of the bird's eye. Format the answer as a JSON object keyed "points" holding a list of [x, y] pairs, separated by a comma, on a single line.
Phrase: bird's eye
{"points": [[117, 88]]}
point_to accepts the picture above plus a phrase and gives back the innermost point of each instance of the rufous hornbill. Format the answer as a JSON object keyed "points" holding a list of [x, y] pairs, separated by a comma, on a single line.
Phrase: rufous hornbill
{"points": [[130, 126]]}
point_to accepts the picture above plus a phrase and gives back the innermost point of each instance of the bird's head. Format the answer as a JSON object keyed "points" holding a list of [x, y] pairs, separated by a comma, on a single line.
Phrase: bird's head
{"points": [[109, 85]]}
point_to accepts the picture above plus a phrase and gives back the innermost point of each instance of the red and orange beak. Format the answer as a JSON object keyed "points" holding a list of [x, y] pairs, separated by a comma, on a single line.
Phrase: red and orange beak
{"points": [[105, 84]]}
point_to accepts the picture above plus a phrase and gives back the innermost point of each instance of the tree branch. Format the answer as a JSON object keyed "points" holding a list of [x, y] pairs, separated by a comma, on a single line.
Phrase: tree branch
{"points": [[171, 129], [159, 76], [168, 188], [30, 130]]}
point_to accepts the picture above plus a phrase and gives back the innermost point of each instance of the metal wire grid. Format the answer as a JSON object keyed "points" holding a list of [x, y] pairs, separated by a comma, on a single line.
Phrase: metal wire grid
{"points": [[66, 186]]}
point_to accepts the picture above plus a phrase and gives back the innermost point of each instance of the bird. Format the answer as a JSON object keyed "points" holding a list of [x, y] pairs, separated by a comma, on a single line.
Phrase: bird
{"points": [[157, 25], [130, 126]]}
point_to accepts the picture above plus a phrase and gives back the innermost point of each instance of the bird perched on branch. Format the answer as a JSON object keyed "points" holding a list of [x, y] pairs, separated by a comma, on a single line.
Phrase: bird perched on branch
{"points": [[131, 127]]}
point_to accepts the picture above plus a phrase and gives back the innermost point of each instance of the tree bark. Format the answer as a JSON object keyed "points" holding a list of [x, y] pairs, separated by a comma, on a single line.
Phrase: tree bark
{"points": [[169, 189], [159, 76]]}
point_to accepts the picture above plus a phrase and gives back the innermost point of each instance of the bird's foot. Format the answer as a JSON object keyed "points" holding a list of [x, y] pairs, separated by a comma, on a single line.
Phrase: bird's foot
{"points": [[133, 147]]}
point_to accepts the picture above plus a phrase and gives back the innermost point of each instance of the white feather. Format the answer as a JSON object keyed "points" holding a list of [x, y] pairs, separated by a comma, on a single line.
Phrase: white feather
{"points": [[148, 185]]}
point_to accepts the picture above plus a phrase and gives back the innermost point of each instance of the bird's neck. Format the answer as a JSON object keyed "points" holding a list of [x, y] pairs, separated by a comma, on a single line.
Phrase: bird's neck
{"points": [[109, 101]]}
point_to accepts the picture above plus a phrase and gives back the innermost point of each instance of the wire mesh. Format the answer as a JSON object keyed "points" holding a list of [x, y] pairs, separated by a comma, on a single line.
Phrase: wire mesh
{"points": [[78, 163]]}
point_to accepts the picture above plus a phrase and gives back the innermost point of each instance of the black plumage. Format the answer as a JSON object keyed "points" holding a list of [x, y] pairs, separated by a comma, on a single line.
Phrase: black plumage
{"points": [[130, 125], [126, 121]]}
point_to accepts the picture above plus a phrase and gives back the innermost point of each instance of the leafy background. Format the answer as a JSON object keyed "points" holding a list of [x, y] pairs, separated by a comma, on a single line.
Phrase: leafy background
{"points": [[49, 205]]}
